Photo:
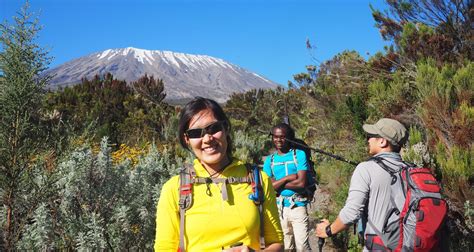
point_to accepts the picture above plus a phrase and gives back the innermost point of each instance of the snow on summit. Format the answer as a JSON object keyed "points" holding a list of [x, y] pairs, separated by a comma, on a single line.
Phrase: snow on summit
{"points": [[170, 58]]}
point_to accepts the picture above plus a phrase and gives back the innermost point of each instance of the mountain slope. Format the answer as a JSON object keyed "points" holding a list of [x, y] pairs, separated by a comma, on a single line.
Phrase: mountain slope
{"points": [[184, 75]]}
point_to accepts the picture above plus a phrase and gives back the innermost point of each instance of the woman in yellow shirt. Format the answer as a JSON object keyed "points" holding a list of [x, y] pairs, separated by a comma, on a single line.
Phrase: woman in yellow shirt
{"points": [[215, 222]]}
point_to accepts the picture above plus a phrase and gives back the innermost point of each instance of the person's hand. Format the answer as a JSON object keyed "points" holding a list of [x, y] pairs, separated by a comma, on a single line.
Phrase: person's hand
{"points": [[321, 228], [242, 248]]}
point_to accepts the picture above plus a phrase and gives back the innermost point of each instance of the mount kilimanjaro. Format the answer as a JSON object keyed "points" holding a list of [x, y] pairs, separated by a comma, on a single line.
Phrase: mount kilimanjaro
{"points": [[184, 75]]}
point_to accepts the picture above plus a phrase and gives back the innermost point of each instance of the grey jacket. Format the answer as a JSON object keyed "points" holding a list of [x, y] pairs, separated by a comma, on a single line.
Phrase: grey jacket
{"points": [[371, 183]]}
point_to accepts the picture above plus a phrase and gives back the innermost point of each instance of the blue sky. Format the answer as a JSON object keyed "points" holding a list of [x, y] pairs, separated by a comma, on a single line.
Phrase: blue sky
{"points": [[266, 37]]}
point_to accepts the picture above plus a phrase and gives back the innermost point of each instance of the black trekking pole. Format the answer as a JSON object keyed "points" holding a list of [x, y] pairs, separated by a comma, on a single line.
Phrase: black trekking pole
{"points": [[324, 153], [321, 244], [315, 149]]}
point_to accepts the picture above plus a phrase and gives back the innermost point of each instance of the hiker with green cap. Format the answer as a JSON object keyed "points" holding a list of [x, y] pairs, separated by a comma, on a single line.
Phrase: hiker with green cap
{"points": [[370, 188]]}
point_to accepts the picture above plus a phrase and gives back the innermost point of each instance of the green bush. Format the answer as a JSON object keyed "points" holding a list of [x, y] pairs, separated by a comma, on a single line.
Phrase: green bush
{"points": [[99, 205]]}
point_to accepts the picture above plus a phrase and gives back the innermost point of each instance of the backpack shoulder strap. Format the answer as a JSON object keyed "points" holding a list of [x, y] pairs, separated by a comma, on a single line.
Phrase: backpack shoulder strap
{"points": [[186, 175], [396, 175], [377, 231], [392, 173], [294, 157], [272, 158], [379, 161]]}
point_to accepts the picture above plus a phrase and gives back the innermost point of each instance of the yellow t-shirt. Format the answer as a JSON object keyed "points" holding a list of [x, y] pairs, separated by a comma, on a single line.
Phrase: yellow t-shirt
{"points": [[212, 224]]}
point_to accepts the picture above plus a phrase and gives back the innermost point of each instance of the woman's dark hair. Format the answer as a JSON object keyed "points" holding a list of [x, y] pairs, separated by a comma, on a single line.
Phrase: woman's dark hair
{"points": [[195, 106], [290, 133]]}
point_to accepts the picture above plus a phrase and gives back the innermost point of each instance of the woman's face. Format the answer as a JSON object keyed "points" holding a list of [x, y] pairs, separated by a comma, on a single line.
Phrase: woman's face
{"points": [[211, 148]]}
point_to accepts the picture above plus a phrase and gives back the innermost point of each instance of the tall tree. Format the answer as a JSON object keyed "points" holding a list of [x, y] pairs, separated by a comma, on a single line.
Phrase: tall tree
{"points": [[150, 89], [440, 29], [21, 63]]}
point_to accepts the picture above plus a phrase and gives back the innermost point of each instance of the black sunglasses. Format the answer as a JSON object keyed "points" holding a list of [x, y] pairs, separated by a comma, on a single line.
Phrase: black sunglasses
{"points": [[368, 136], [210, 129]]}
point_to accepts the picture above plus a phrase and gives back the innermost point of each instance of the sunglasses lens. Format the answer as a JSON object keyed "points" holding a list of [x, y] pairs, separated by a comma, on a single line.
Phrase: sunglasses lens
{"points": [[214, 128], [194, 133], [210, 129]]}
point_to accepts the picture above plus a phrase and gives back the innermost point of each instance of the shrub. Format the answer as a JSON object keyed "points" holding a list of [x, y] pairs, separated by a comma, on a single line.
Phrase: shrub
{"points": [[101, 205]]}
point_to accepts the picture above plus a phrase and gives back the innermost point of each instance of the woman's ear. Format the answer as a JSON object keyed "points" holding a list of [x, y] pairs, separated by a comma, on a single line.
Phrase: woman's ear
{"points": [[186, 139]]}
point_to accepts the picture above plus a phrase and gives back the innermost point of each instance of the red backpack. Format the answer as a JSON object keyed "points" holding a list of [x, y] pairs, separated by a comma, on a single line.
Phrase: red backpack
{"points": [[420, 218]]}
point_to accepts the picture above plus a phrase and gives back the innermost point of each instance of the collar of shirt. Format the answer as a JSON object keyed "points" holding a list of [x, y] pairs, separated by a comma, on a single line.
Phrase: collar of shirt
{"points": [[228, 171]]}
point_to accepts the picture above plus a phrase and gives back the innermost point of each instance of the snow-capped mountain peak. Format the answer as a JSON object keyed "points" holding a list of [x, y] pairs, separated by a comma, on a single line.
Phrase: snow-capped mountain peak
{"points": [[184, 75]]}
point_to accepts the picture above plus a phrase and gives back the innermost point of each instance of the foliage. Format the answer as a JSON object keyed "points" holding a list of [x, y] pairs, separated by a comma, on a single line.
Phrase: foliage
{"points": [[246, 109], [99, 204], [441, 29], [151, 89], [22, 138], [446, 103], [417, 151], [392, 97], [469, 213], [128, 153], [125, 114], [250, 148]]}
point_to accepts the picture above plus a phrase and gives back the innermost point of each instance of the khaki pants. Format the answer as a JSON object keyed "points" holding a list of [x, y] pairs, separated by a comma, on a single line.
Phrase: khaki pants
{"points": [[295, 225]]}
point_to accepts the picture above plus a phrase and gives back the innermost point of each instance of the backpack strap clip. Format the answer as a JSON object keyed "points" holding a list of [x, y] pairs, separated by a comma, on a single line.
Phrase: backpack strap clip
{"points": [[232, 180]]}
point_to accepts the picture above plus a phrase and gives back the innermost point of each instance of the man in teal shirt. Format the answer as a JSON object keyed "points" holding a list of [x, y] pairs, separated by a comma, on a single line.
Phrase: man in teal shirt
{"points": [[288, 167]]}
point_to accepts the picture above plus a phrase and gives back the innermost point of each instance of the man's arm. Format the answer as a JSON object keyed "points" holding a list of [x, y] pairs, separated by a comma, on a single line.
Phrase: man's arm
{"points": [[281, 183], [298, 181], [277, 184], [274, 247], [243, 248], [355, 202], [292, 181]]}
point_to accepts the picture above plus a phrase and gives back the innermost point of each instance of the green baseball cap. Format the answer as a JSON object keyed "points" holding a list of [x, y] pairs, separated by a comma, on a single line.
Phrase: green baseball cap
{"points": [[390, 129]]}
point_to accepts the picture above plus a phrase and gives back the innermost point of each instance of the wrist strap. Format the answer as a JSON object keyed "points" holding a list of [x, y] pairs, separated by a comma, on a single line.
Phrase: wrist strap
{"points": [[328, 231]]}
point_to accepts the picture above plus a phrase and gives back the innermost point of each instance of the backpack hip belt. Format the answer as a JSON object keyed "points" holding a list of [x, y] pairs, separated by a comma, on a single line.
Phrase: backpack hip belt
{"points": [[293, 199]]}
